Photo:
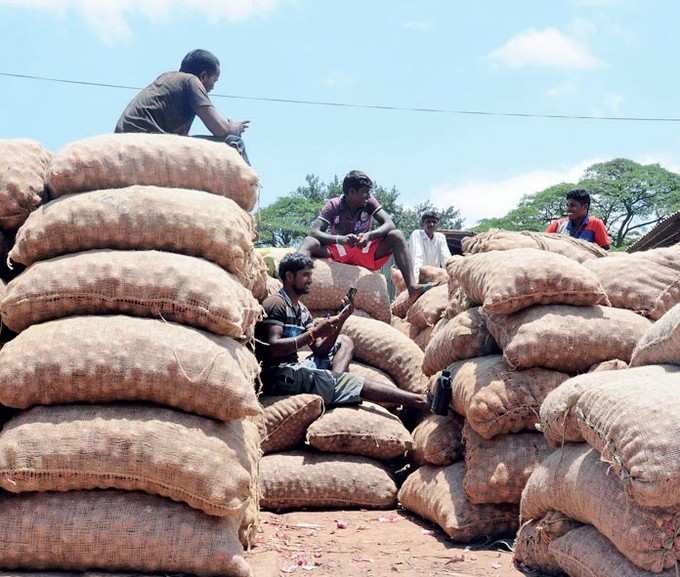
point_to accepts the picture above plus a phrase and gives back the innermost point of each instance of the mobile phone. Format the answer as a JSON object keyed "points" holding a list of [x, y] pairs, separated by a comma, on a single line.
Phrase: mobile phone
{"points": [[350, 294]]}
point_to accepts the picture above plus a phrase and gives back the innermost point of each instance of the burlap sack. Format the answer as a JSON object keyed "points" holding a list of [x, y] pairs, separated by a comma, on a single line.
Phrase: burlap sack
{"points": [[436, 493], [495, 399], [509, 281], [101, 359], [285, 419], [401, 325], [384, 347], [635, 428], [574, 481], [578, 250], [531, 553], [142, 217], [584, 552], [120, 160], [422, 339], [452, 273], [646, 282], [23, 170], [272, 286], [557, 417], [372, 374], [613, 365], [366, 429], [332, 280], [116, 531], [301, 479], [401, 305], [458, 303], [437, 440], [661, 343], [201, 462], [463, 337], [432, 274], [157, 284], [428, 309], [496, 470], [261, 286], [567, 338]]}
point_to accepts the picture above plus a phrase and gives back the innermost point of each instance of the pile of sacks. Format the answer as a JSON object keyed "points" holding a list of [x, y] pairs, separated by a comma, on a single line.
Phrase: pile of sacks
{"points": [[134, 447], [606, 501], [344, 456], [519, 323]]}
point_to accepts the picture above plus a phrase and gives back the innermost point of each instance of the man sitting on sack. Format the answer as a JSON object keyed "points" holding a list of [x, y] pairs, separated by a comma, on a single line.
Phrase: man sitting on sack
{"points": [[344, 232], [289, 327], [170, 104], [578, 223], [428, 247]]}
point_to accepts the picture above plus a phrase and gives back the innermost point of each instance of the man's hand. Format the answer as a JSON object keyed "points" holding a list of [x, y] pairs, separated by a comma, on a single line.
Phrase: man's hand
{"points": [[322, 328], [238, 127], [350, 239], [346, 311], [363, 239]]}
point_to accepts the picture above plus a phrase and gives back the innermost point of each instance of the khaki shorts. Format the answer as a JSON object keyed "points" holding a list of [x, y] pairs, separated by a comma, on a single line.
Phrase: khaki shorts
{"points": [[305, 377]]}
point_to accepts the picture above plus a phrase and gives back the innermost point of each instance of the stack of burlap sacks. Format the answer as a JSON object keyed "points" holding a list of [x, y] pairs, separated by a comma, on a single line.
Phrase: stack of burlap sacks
{"points": [[135, 448], [546, 310], [607, 501], [344, 456]]}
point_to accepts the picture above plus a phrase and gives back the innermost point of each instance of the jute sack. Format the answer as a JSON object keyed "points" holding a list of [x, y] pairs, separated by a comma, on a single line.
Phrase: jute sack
{"points": [[261, 287], [272, 286], [584, 552], [495, 399], [661, 343], [646, 282], [576, 482], [567, 338], [458, 303], [285, 419], [384, 347], [428, 309], [504, 282], [496, 470], [436, 493], [612, 365], [557, 416], [531, 553], [102, 359], [201, 462], [366, 429], [432, 274], [300, 479], [116, 531], [453, 281], [635, 428], [141, 217], [463, 337], [401, 305], [150, 283], [332, 280], [23, 170], [578, 250], [372, 374], [437, 440], [422, 339], [401, 325], [120, 160]]}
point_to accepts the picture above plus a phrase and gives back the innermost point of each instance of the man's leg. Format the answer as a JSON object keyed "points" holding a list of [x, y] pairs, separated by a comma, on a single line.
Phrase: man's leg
{"points": [[343, 354], [395, 243], [313, 248], [377, 392]]}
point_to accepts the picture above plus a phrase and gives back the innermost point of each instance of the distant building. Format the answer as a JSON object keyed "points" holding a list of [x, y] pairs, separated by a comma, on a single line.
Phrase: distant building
{"points": [[666, 233]]}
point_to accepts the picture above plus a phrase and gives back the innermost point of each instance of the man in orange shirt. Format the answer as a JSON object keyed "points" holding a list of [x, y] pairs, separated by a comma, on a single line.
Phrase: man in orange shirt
{"points": [[579, 224]]}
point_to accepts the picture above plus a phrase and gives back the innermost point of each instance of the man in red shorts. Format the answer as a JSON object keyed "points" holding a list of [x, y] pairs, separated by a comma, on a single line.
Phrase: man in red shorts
{"points": [[344, 232]]}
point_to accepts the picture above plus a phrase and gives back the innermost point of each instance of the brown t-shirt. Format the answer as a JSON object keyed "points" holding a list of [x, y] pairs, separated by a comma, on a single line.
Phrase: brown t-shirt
{"points": [[343, 220], [169, 105]]}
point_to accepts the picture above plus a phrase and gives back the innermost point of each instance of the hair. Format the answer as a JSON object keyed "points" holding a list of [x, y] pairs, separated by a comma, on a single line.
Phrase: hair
{"points": [[579, 195], [198, 61], [294, 262], [356, 179], [429, 214]]}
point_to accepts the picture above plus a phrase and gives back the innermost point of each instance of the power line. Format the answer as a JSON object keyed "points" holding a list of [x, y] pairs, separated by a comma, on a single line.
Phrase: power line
{"points": [[368, 106]]}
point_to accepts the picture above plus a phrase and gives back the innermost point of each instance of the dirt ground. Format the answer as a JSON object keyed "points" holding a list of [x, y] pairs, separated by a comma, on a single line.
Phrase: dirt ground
{"points": [[370, 543]]}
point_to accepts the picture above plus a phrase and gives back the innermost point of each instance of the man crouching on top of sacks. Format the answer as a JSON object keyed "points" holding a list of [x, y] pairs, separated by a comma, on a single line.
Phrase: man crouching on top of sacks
{"points": [[289, 327], [350, 239]]}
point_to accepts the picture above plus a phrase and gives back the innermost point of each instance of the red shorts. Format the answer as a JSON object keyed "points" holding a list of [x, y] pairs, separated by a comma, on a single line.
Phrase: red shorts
{"points": [[364, 257]]}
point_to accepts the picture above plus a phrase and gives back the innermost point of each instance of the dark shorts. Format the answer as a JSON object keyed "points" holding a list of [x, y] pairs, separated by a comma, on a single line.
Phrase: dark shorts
{"points": [[313, 376]]}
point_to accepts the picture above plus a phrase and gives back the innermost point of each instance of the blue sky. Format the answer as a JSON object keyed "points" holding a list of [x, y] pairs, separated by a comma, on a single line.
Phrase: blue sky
{"points": [[593, 57]]}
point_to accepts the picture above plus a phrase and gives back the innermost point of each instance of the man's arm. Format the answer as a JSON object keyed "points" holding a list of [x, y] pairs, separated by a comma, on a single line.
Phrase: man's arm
{"points": [[444, 252], [417, 253], [552, 227], [322, 346], [385, 226], [219, 125], [318, 231], [601, 235], [283, 347]]}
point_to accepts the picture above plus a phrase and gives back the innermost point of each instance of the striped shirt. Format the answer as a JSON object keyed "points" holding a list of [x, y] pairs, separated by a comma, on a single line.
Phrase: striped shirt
{"points": [[281, 311]]}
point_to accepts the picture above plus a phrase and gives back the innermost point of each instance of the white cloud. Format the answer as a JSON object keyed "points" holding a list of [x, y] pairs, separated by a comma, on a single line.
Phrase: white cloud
{"points": [[478, 199], [109, 18], [548, 48], [417, 25]]}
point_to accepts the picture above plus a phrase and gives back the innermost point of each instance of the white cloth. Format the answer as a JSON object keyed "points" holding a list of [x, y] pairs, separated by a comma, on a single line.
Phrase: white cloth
{"points": [[428, 251]]}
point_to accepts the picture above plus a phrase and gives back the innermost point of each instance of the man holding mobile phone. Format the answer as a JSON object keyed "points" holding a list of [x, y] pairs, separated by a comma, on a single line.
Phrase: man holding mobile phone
{"points": [[289, 327]]}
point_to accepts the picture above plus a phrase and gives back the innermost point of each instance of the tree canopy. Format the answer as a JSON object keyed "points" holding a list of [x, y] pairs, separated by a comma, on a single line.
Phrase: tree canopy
{"points": [[286, 221]]}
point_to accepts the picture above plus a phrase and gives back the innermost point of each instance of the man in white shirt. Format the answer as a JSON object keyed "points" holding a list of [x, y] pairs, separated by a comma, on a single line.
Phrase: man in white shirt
{"points": [[428, 247]]}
